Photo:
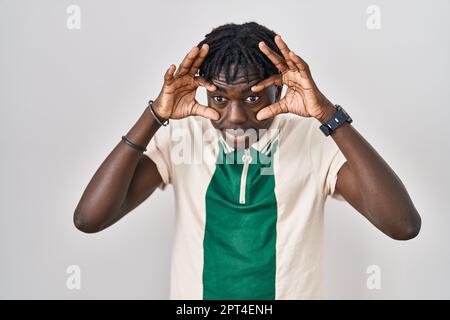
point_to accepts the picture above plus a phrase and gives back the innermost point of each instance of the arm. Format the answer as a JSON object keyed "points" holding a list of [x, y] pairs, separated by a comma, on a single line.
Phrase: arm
{"points": [[127, 177], [124, 180], [365, 181], [368, 183]]}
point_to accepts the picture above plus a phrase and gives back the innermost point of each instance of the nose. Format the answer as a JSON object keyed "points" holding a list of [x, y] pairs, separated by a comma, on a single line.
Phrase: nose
{"points": [[237, 114]]}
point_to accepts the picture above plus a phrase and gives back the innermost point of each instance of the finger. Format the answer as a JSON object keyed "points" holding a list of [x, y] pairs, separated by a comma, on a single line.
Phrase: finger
{"points": [[269, 111], [169, 73], [201, 82], [199, 60], [285, 52], [302, 66], [273, 56], [204, 111], [272, 80], [186, 64]]}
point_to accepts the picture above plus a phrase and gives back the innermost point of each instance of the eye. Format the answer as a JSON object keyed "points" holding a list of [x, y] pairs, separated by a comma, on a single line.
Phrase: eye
{"points": [[219, 99], [252, 99]]}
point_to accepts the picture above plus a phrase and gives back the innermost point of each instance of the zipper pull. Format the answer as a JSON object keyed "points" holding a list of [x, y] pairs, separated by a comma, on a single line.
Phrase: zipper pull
{"points": [[246, 158]]}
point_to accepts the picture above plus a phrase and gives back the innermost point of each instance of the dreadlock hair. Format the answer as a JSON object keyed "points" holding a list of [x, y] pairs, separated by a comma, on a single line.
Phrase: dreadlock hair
{"points": [[235, 46]]}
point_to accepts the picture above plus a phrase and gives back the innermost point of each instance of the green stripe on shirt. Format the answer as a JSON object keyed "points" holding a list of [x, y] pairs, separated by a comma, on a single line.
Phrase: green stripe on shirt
{"points": [[240, 239]]}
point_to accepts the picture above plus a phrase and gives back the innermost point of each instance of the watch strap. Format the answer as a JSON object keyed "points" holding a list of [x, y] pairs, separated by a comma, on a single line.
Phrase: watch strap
{"points": [[337, 119]]}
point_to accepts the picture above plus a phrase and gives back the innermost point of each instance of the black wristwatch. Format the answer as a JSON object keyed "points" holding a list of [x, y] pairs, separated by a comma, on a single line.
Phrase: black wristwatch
{"points": [[337, 119]]}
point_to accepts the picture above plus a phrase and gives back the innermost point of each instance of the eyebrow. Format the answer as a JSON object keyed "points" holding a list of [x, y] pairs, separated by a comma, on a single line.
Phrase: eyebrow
{"points": [[246, 88]]}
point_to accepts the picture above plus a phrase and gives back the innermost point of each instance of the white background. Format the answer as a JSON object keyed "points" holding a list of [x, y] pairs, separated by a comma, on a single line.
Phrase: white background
{"points": [[67, 96]]}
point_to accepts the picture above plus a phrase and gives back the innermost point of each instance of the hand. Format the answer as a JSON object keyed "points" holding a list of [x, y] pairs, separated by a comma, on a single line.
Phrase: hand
{"points": [[177, 97], [302, 96]]}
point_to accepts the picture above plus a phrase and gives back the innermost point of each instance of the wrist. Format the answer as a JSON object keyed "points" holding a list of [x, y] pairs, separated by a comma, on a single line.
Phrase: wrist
{"points": [[327, 112], [332, 122], [160, 120], [158, 111]]}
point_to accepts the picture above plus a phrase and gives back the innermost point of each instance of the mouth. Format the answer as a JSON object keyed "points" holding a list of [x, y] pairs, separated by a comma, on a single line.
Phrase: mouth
{"points": [[237, 136]]}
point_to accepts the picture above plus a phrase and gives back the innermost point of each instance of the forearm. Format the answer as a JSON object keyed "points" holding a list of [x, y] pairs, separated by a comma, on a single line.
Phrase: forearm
{"points": [[384, 198], [102, 199]]}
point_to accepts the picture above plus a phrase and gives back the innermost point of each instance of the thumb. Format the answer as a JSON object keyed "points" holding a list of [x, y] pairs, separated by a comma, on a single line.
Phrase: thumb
{"points": [[204, 111], [269, 111]]}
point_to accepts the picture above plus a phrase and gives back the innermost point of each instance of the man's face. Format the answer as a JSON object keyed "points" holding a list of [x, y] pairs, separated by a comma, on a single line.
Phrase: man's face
{"points": [[238, 106]]}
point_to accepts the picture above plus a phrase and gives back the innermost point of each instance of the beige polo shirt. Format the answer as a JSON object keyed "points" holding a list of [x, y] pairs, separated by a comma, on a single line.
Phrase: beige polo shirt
{"points": [[241, 233]]}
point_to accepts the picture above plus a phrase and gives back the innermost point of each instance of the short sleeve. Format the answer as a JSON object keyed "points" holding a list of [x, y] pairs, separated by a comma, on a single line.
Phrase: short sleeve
{"points": [[326, 159], [158, 150], [336, 164]]}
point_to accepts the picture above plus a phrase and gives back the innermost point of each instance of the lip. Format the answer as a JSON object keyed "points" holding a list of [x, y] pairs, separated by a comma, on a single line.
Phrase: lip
{"points": [[235, 136]]}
